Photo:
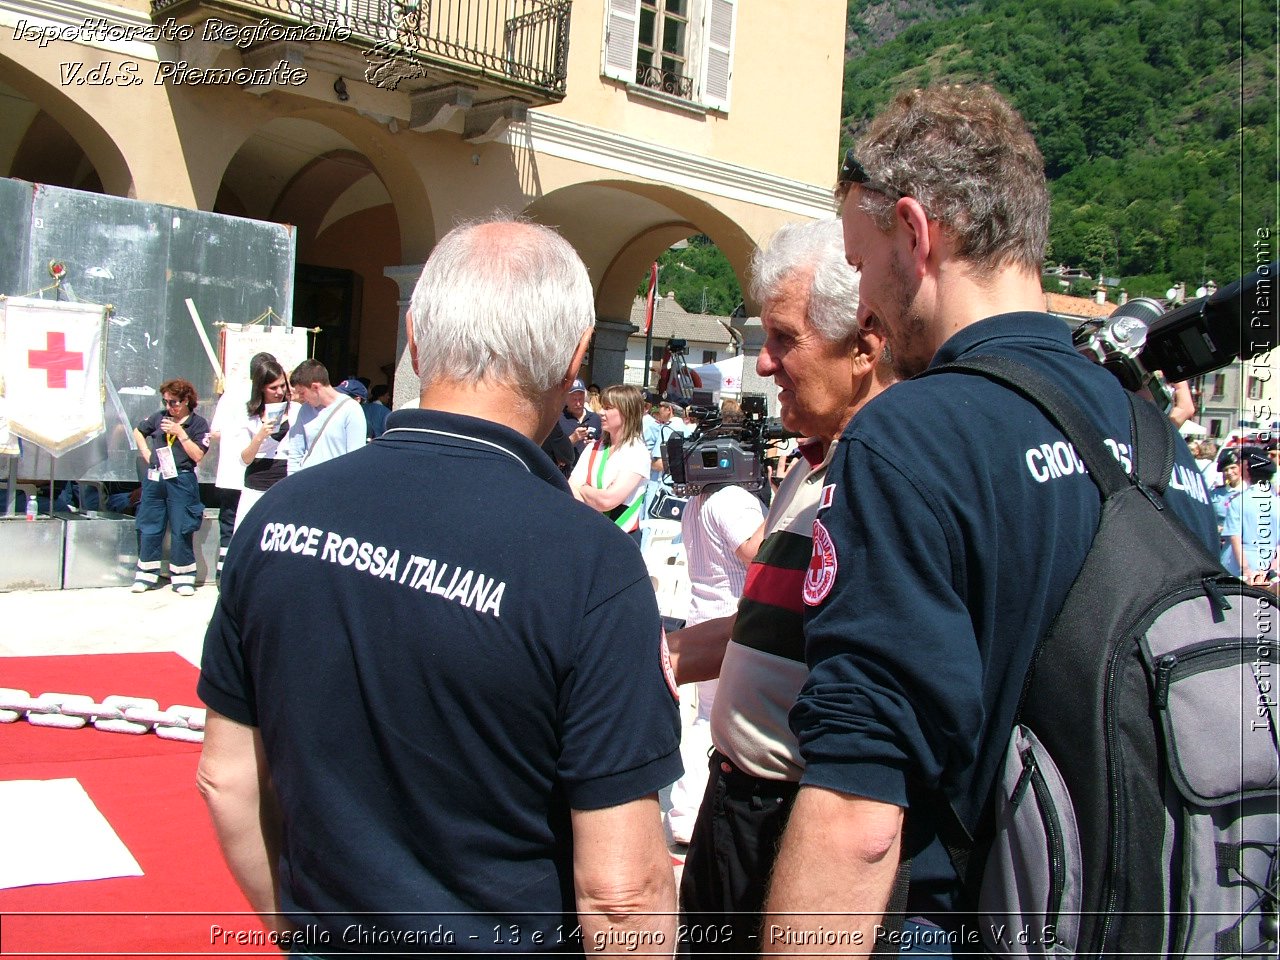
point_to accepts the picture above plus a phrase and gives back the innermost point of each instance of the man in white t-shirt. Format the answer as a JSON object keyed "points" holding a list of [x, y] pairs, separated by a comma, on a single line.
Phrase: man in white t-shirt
{"points": [[722, 528], [330, 424]]}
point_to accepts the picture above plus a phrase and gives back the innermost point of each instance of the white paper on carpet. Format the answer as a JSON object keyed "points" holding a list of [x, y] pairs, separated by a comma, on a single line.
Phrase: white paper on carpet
{"points": [[51, 832]]}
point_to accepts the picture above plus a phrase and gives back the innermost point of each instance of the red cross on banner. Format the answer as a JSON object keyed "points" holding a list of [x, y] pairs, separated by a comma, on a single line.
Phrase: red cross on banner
{"points": [[55, 360]]}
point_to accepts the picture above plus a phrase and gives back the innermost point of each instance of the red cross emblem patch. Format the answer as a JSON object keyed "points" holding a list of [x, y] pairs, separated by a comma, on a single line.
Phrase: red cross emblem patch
{"points": [[821, 575]]}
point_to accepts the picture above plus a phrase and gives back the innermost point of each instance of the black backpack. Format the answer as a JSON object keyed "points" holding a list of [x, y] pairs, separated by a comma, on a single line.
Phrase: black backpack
{"points": [[1137, 811]]}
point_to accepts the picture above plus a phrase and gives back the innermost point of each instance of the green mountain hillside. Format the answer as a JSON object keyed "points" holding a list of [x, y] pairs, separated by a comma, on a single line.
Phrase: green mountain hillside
{"points": [[1157, 120]]}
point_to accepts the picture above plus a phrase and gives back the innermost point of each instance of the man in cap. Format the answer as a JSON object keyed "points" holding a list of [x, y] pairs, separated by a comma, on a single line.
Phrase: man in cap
{"points": [[375, 414], [579, 424]]}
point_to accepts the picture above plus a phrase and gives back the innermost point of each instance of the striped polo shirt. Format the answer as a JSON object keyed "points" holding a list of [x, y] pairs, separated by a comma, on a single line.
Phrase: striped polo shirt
{"points": [[764, 666]]}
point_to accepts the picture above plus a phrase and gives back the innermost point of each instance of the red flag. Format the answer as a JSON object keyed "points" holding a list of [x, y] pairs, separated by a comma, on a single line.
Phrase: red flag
{"points": [[649, 298]]}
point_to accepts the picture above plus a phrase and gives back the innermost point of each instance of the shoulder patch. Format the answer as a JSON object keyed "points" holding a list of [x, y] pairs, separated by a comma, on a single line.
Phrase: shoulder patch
{"points": [[828, 496], [821, 575], [667, 670]]}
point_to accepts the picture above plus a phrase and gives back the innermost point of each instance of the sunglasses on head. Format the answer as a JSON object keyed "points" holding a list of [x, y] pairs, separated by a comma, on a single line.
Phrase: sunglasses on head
{"points": [[854, 174]]}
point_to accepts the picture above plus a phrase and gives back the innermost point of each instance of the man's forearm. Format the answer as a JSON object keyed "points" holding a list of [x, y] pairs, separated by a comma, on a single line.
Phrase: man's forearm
{"points": [[646, 926], [835, 870], [625, 890], [698, 651], [250, 842], [242, 805]]}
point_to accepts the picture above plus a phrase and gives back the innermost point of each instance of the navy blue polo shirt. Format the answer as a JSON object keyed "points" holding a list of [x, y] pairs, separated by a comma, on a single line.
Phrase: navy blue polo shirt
{"points": [[440, 671], [958, 520], [569, 423], [197, 428]]}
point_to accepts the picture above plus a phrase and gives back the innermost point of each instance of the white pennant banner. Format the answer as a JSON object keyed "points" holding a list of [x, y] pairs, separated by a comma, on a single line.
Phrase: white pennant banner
{"points": [[51, 361]]}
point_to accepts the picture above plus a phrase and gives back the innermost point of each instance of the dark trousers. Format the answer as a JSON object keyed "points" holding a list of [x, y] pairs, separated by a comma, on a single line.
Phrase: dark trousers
{"points": [[228, 500], [173, 504], [731, 855]]}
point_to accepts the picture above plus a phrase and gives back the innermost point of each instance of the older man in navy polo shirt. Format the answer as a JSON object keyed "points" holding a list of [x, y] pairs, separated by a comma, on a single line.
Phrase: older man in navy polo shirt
{"points": [[424, 738], [579, 424]]}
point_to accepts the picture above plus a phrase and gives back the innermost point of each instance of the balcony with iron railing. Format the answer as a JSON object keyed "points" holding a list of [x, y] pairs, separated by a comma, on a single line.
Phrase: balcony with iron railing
{"points": [[516, 47]]}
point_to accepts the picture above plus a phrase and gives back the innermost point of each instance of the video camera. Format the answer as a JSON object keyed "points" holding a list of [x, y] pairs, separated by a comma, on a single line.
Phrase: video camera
{"points": [[723, 453], [1237, 322]]}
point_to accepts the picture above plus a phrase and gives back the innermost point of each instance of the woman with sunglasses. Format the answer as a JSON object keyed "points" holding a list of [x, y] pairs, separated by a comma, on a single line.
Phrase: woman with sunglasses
{"points": [[612, 473], [269, 417], [171, 442]]}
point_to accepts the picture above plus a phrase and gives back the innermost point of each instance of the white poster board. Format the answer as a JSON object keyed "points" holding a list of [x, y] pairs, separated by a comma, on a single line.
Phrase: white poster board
{"points": [[239, 343]]}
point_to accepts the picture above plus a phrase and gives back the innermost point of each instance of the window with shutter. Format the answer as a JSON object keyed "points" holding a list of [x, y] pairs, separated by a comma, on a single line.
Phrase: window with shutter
{"points": [[621, 31], [718, 64], [662, 53], [683, 48]]}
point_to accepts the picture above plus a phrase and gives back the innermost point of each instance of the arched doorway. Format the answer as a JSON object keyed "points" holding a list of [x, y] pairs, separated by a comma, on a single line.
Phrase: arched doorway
{"points": [[303, 172]]}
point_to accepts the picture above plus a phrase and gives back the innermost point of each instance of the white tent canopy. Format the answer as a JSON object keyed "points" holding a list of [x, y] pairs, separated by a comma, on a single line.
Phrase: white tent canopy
{"points": [[724, 376]]}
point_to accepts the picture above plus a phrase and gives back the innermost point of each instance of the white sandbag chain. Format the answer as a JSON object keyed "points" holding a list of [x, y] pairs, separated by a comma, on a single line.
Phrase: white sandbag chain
{"points": [[116, 714]]}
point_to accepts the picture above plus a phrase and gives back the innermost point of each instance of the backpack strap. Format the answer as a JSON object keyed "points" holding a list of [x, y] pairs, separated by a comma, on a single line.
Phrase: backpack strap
{"points": [[319, 433], [1153, 443], [895, 913]]}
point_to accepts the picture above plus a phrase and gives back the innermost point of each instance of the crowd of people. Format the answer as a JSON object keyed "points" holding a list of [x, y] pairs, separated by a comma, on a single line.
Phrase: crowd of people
{"points": [[450, 735], [1241, 482], [284, 423]]}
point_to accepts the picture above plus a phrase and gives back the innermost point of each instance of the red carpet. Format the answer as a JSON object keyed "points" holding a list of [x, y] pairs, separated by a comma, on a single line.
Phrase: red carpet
{"points": [[145, 787]]}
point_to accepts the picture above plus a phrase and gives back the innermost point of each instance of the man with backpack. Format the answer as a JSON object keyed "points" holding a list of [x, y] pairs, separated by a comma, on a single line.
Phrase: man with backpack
{"points": [[939, 562]]}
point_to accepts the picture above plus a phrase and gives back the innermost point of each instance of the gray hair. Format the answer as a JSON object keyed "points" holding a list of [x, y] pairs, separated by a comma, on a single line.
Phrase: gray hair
{"points": [[501, 300], [967, 156], [833, 290]]}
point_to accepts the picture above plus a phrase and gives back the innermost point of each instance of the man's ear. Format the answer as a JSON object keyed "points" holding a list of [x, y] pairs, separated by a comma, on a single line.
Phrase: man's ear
{"points": [[579, 354], [914, 222], [413, 344], [870, 340]]}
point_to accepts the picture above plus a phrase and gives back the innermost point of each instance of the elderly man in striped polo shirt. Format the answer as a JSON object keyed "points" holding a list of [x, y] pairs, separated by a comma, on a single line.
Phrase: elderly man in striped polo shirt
{"points": [[827, 362]]}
